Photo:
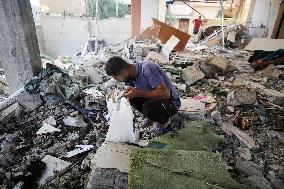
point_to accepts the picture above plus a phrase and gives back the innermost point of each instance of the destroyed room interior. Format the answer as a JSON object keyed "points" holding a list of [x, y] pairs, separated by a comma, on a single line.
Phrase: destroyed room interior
{"points": [[142, 94]]}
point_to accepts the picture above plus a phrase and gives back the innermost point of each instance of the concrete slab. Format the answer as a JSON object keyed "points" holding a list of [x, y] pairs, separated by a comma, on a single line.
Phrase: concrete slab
{"points": [[113, 156], [265, 44]]}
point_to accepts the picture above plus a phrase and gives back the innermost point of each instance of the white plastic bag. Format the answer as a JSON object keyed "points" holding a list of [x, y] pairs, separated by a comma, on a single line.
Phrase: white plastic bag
{"points": [[121, 124]]}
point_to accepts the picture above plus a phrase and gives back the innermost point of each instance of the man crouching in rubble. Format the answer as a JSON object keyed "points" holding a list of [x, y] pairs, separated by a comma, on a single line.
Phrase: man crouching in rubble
{"points": [[150, 91]]}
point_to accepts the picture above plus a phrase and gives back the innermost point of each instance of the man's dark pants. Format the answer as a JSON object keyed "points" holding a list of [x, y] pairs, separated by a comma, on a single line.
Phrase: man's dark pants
{"points": [[156, 110]]}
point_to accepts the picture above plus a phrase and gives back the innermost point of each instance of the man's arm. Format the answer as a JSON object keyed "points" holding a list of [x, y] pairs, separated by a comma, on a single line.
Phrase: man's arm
{"points": [[160, 92]]}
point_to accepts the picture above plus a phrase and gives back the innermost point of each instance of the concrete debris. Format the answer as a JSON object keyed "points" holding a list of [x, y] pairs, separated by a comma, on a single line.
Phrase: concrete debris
{"points": [[248, 168], [79, 149], [74, 121], [259, 182], [220, 63], [271, 72], [272, 95], [157, 57], [53, 165], [217, 87], [192, 105], [50, 120], [216, 116], [241, 97], [47, 128], [245, 153], [192, 74], [242, 136]]}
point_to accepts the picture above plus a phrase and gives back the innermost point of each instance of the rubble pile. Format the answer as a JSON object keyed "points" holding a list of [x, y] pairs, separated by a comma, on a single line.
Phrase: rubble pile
{"points": [[216, 86]]}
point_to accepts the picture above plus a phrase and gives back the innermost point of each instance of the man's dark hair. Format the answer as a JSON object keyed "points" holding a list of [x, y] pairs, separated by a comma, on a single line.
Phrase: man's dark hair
{"points": [[115, 65], [200, 17]]}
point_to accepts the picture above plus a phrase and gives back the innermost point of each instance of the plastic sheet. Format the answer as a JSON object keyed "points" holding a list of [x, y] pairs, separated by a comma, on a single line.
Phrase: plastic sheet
{"points": [[121, 125]]}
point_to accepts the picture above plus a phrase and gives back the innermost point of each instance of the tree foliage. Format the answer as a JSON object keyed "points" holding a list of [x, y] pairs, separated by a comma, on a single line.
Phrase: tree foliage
{"points": [[107, 8]]}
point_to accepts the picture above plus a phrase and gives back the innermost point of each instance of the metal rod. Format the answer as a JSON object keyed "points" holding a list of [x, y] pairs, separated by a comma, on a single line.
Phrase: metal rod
{"points": [[193, 9]]}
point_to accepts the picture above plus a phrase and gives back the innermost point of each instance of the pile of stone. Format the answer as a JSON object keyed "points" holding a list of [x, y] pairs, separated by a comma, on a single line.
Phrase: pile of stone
{"points": [[216, 86]]}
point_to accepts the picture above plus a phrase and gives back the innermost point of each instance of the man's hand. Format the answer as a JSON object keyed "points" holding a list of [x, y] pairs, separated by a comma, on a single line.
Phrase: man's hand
{"points": [[131, 93]]}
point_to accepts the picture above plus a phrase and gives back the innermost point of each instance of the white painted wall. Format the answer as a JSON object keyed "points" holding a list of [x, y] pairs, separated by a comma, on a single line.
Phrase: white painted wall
{"points": [[149, 10], [64, 37], [59, 6], [180, 10], [264, 15], [36, 10]]}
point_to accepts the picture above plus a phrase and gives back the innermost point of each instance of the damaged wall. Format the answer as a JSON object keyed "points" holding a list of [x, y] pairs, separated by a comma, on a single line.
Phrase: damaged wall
{"points": [[68, 36], [244, 11], [264, 17], [19, 50]]}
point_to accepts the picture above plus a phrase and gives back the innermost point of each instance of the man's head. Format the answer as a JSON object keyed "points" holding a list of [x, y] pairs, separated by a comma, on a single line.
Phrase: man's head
{"points": [[199, 17], [118, 69]]}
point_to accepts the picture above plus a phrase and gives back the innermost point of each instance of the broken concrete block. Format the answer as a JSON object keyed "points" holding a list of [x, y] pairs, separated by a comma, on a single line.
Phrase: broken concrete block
{"points": [[50, 120], [192, 105], [231, 109], [47, 128], [157, 57], [7, 145], [192, 74], [243, 137], [259, 182], [248, 168], [6, 113], [272, 95], [241, 96], [270, 72], [74, 121], [53, 165], [216, 116], [221, 63], [107, 179], [245, 153]]}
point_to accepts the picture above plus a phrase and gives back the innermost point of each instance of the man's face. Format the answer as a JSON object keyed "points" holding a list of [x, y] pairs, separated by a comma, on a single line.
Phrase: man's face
{"points": [[122, 77]]}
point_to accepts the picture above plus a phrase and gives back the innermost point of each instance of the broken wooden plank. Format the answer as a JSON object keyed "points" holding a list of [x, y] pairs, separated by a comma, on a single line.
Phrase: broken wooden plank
{"points": [[166, 33]]}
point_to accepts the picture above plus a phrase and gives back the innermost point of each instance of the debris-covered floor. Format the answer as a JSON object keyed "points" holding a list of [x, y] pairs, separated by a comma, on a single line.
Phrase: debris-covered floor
{"points": [[242, 101]]}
